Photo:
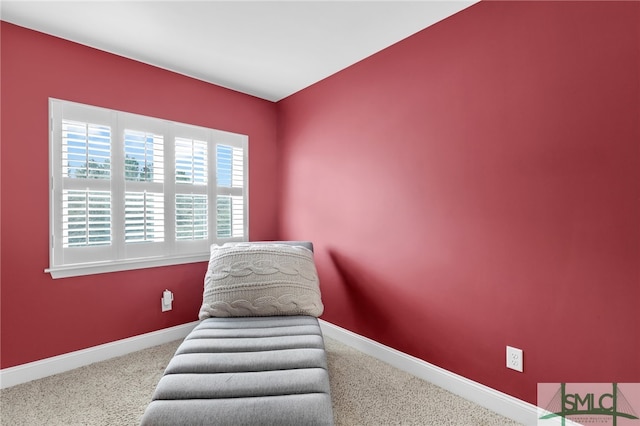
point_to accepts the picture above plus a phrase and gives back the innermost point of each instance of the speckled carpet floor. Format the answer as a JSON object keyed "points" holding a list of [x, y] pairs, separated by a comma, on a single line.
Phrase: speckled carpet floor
{"points": [[365, 391]]}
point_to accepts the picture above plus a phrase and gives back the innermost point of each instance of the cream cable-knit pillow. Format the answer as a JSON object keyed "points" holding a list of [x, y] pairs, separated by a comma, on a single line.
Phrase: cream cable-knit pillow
{"points": [[245, 279]]}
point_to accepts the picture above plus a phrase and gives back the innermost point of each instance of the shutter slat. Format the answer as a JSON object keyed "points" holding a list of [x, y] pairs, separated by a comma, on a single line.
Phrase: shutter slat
{"points": [[86, 218], [191, 161], [230, 216], [86, 150], [144, 217], [191, 217], [144, 156], [229, 166], [230, 208]]}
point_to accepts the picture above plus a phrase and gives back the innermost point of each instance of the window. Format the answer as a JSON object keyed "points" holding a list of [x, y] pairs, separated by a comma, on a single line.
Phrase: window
{"points": [[129, 191]]}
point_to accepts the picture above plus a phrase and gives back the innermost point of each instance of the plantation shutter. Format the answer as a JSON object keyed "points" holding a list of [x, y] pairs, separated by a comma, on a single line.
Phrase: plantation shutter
{"points": [[129, 191], [191, 200], [86, 171], [144, 183], [230, 202], [82, 201]]}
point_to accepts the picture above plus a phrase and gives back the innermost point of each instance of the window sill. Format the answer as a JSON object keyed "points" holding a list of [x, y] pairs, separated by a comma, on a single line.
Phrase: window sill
{"points": [[78, 270]]}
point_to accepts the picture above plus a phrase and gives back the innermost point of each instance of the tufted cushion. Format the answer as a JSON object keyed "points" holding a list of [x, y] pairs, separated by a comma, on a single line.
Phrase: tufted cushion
{"points": [[246, 371], [247, 279]]}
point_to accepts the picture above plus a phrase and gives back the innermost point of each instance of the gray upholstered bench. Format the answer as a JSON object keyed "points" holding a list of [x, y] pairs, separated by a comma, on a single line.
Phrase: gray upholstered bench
{"points": [[254, 370], [246, 371]]}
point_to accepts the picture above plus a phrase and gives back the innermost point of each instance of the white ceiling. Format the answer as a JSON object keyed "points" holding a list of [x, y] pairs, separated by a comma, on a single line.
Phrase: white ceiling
{"points": [[269, 49]]}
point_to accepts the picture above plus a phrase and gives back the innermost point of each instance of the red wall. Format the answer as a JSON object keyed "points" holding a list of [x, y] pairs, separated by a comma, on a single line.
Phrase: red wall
{"points": [[477, 185], [474, 186], [41, 317]]}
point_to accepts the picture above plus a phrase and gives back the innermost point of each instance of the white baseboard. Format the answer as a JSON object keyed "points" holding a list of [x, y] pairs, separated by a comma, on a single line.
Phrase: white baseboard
{"points": [[482, 395], [59, 364], [485, 396]]}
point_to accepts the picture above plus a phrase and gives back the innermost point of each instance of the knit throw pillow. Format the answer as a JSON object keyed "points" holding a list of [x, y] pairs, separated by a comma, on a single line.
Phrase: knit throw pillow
{"points": [[245, 279]]}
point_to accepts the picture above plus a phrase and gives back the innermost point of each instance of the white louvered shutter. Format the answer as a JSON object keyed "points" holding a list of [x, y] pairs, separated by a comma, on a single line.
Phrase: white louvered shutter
{"points": [[131, 191], [191, 199], [230, 203]]}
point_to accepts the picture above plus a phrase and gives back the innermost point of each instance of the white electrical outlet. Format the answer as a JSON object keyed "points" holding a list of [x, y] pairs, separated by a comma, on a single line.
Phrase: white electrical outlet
{"points": [[514, 358], [166, 301]]}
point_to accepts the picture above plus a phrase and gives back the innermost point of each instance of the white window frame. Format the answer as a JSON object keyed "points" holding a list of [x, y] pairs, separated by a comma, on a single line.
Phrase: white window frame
{"points": [[118, 255]]}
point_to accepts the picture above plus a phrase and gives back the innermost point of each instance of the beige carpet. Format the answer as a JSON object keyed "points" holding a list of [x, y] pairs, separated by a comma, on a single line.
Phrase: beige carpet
{"points": [[364, 390]]}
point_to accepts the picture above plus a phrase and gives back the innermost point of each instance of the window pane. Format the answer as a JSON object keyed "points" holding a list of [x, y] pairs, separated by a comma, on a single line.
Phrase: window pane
{"points": [[144, 156], [230, 216], [86, 218], [229, 166], [86, 150], [144, 217], [200, 162], [191, 161], [223, 215], [191, 217]]}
